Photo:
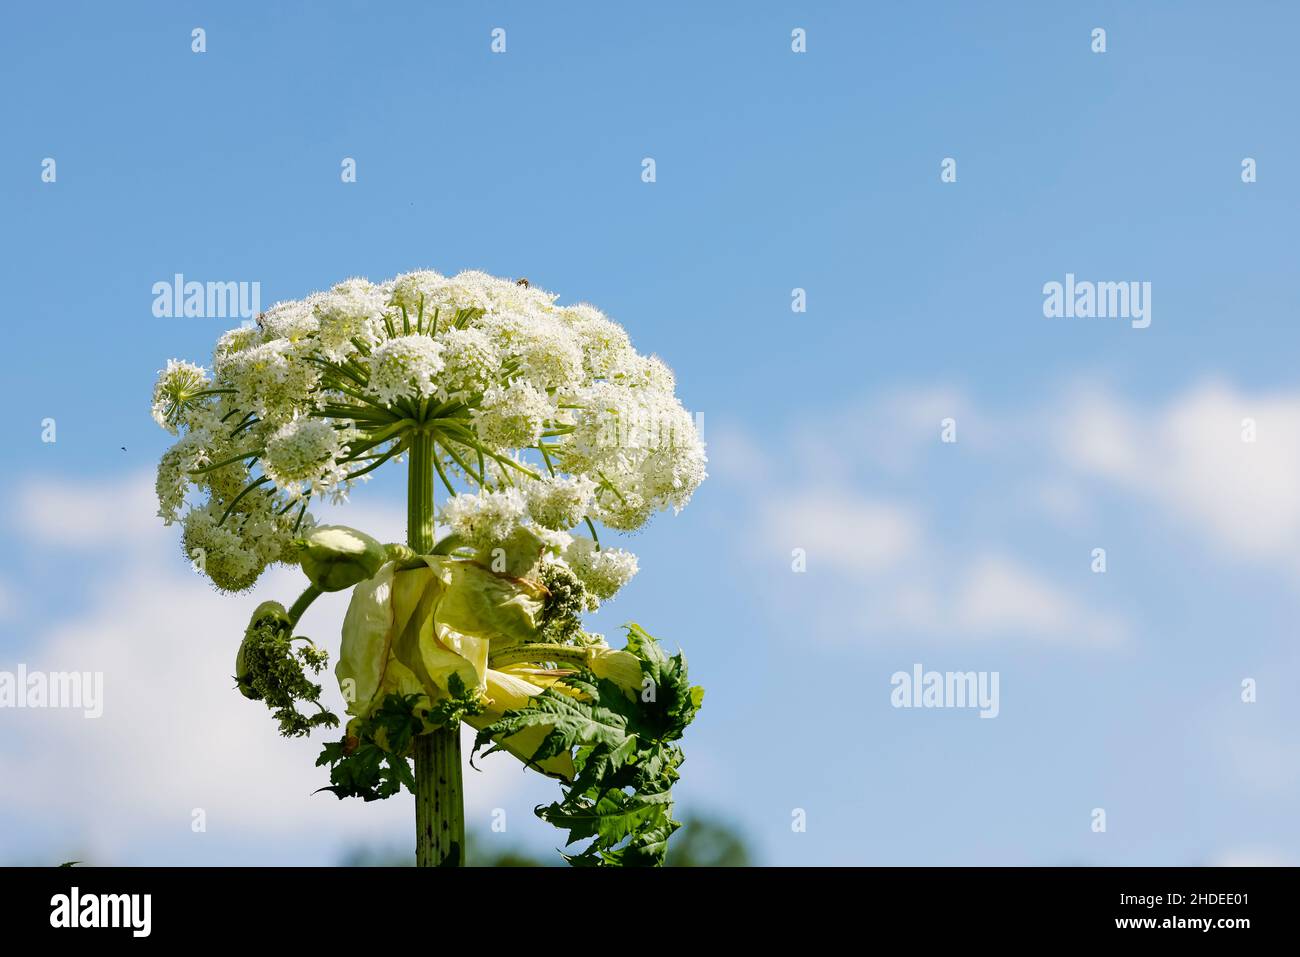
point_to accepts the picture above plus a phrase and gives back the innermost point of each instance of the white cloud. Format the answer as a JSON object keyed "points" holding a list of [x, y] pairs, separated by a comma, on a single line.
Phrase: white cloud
{"points": [[885, 434], [882, 570], [882, 574], [890, 574], [984, 597], [1097, 434], [839, 528], [1189, 458], [68, 514], [1000, 596], [735, 457], [893, 570], [1253, 856]]}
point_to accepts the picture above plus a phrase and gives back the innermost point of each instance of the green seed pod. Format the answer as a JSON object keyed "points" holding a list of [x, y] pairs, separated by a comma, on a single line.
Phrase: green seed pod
{"points": [[269, 614], [336, 557]]}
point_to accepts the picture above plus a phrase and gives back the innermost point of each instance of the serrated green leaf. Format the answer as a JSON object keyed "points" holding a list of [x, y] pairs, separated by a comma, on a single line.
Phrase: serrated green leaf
{"points": [[615, 817], [575, 723], [621, 745]]}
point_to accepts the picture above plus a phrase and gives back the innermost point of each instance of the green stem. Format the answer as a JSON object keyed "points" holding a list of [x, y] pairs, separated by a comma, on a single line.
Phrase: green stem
{"points": [[567, 654], [439, 805], [304, 600], [382, 459], [224, 462], [449, 545], [235, 501]]}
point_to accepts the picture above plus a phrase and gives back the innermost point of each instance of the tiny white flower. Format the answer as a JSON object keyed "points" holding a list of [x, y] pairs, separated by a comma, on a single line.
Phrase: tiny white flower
{"points": [[273, 378], [405, 366], [624, 509], [304, 450], [560, 503], [471, 360], [351, 312], [227, 558], [176, 391], [484, 519], [548, 356], [554, 542], [603, 570], [512, 416], [414, 291], [647, 372], [231, 342], [290, 320], [174, 477], [605, 345]]}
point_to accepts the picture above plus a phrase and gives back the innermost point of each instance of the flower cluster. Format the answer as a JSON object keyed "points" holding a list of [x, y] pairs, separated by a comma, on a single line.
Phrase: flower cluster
{"points": [[543, 418]]}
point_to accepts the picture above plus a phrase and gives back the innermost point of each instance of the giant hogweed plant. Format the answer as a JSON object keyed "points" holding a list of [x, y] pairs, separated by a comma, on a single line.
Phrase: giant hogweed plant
{"points": [[540, 422]]}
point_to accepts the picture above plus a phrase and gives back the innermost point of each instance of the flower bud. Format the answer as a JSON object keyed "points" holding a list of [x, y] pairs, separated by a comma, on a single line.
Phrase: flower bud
{"points": [[336, 557], [621, 667], [269, 614]]}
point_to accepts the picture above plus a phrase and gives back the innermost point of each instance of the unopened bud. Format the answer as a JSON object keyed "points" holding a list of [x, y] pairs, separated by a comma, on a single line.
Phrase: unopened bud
{"points": [[269, 614], [336, 557], [621, 667]]}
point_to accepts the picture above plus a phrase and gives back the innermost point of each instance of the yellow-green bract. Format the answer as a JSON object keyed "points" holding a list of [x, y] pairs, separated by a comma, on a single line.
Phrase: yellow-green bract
{"points": [[408, 631]]}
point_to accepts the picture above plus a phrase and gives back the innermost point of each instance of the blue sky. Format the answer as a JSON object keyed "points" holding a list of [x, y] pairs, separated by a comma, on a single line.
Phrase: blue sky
{"points": [[775, 170]]}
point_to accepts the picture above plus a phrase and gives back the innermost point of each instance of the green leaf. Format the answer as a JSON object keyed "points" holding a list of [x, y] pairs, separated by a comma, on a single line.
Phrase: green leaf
{"points": [[622, 747], [613, 818], [573, 723], [370, 762]]}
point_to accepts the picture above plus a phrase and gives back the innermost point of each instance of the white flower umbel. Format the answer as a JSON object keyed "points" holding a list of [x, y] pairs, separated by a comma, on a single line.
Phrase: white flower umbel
{"points": [[532, 414], [512, 416], [217, 548], [303, 453], [603, 570], [484, 519], [405, 367], [174, 477], [291, 320], [471, 361], [178, 389], [273, 377], [560, 503], [604, 343], [349, 317]]}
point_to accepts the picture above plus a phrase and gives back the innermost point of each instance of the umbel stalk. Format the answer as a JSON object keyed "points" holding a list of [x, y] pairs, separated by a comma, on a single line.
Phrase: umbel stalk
{"points": [[439, 802]]}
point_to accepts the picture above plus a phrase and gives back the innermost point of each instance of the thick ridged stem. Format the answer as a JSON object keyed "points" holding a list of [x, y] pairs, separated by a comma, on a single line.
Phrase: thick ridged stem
{"points": [[439, 801], [567, 654]]}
